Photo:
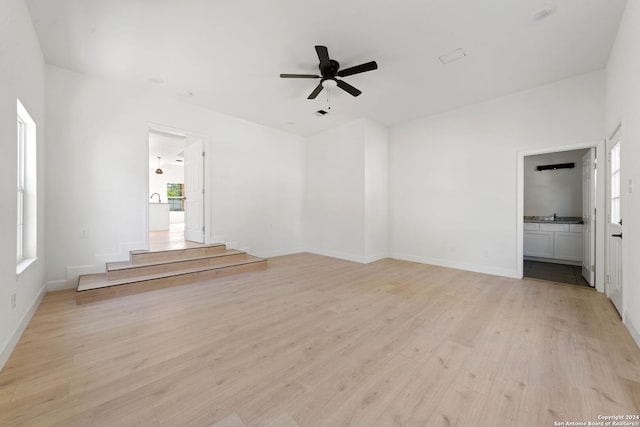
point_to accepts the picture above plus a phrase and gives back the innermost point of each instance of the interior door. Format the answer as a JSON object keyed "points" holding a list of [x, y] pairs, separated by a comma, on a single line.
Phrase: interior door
{"points": [[194, 191], [588, 216], [614, 223]]}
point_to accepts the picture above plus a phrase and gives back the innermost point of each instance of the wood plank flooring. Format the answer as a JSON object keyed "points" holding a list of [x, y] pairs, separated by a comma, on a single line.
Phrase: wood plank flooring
{"points": [[315, 341]]}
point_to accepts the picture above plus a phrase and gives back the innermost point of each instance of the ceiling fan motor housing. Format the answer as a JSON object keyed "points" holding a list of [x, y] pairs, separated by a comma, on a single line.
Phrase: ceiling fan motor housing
{"points": [[331, 70]]}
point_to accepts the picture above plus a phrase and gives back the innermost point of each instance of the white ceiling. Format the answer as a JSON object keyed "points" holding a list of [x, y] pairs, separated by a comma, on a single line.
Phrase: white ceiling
{"points": [[229, 53], [169, 147]]}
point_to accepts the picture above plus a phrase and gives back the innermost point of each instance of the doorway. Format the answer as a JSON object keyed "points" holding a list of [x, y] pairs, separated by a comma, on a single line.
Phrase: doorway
{"points": [[166, 188], [175, 190], [557, 238], [554, 216]]}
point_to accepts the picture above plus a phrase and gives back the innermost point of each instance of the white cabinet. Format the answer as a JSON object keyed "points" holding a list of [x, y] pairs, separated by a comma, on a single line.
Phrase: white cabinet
{"points": [[158, 216], [567, 246], [553, 241], [538, 244]]}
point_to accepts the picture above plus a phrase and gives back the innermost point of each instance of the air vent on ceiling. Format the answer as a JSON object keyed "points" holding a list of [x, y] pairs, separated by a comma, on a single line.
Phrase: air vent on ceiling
{"points": [[321, 113], [448, 58]]}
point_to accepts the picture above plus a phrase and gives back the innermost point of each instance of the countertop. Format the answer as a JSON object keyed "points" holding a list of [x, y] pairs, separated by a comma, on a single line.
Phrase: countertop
{"points": [[558, 220]]}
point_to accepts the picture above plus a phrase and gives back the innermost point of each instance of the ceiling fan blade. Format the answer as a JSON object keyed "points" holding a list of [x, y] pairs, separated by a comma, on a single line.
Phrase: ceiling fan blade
{"points": [[323, 56], [316, 91], [299, 76], [369, 66], [348, 88]]}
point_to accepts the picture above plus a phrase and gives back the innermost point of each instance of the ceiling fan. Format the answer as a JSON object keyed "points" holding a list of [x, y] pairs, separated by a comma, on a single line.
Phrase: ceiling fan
{"points": [[329, 70]]}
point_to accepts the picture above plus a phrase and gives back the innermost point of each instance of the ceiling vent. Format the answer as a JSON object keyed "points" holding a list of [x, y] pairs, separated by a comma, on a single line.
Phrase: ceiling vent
{"points": [[321, 113], [448, 58], [543, 13]]}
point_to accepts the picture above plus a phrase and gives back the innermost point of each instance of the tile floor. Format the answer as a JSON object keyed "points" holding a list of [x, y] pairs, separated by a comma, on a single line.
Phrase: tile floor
{"points": [[571, 274]]}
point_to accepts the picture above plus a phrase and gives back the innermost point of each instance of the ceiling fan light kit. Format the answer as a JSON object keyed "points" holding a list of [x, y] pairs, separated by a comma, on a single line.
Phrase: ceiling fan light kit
{"points": [[329, 70]]}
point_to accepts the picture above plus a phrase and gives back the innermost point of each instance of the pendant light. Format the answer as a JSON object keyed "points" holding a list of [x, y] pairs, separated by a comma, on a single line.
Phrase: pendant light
{"points": [[159, 171]]}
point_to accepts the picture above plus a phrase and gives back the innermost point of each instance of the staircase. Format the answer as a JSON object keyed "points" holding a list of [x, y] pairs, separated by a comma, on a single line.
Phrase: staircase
{"points": [[150, 270]]}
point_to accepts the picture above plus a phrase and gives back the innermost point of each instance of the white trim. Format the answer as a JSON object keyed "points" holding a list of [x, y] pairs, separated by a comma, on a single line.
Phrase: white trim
{"points": [[376, 257], [24, 265], [59, 285], [10, 344], [279, 252], [476, 268], [339, 255], [633, 329], [600, 205]]}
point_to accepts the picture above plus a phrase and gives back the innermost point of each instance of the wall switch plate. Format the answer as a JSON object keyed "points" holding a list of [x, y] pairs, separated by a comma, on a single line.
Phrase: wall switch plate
{"points": [[13, 301]]}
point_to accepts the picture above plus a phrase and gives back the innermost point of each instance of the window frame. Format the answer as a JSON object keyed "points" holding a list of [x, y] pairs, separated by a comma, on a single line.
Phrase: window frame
{"points": [[26, 195]]}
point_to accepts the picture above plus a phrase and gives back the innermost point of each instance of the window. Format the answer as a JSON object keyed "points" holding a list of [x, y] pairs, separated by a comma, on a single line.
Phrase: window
{"points": [[175, 195], [26, 189], [20, 197], [615, 184]]}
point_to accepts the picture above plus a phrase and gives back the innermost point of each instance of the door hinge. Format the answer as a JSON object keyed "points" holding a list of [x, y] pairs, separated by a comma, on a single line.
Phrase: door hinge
{"points": [[203, 154], [203, 228], [203, 191]]}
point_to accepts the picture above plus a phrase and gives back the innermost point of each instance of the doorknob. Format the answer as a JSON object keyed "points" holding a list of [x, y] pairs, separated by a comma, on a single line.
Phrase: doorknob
{"points": [[617, 235]]}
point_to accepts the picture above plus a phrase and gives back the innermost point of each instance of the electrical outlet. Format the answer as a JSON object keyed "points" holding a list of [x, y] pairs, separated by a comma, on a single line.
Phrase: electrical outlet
{"points": [[13, 301]]}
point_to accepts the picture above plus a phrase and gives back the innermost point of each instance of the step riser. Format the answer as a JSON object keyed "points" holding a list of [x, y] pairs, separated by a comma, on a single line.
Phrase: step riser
{"points": [[84, 297], [143, 257], [168, 267]]}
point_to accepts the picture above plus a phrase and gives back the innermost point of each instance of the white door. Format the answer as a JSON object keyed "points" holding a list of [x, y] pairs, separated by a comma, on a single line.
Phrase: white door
{"points": [[614, 223], [588, 216], [194, 191]]}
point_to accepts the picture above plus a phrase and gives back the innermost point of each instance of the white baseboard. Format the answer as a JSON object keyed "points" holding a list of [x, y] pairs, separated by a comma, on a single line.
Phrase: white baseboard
{"points": [[340, 255], [59, 285], [633, 329], [278, 252], [485, 269], [376, 257], [8, 347]]}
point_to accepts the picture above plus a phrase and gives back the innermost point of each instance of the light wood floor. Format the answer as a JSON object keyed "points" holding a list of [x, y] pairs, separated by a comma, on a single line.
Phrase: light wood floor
{"points": [[170, 239], [315, 341]]}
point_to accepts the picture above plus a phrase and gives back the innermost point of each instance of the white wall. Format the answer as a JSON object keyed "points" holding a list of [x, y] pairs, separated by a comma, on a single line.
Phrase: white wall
{"points": [[335, 199], [376, 179], [553, 191], [452, 177], [623, 106], [99, 141], [21, 76], [346, 192]]}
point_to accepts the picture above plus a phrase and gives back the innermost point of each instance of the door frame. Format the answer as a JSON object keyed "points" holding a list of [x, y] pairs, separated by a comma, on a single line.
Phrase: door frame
{"points": [[618, 304], [599, 235], [206, 143]]}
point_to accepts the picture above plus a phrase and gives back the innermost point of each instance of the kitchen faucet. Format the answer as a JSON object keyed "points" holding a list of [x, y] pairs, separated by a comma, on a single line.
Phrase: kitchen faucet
{"points": [[156, 194]]}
